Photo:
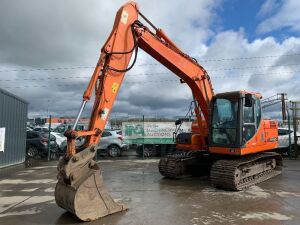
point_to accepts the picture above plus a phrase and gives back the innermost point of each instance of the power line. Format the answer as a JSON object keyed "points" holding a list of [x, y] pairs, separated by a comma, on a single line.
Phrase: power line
{"points": [[256, 74], [72, 85], [149, 74], [252, 67], [77, 77], [147, 64], [269, 98], [207, 69], [140, 82], [150, 64], [248, 58], [46, 69]]}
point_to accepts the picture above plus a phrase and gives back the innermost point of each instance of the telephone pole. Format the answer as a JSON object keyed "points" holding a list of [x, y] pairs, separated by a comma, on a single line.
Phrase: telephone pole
{"points": [[283, 98], [295, 107]]}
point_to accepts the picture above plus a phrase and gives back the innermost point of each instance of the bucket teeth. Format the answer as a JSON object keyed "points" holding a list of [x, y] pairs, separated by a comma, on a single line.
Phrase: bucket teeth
{"points": [[83, 192], [88, 201]]}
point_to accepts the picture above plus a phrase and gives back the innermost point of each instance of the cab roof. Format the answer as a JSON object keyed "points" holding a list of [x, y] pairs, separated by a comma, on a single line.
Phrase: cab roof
{"points": [[234, 94]]}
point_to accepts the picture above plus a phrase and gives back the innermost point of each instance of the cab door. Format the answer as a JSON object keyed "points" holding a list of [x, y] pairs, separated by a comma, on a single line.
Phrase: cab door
{"points": [[251, 117]]}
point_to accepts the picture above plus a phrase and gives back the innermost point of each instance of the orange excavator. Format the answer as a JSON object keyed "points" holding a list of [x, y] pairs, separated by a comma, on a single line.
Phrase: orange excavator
{"points": [[229, 138]]}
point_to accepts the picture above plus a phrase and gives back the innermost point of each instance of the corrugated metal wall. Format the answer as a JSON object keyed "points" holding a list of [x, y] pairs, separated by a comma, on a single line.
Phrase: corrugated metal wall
{"points": [[13, 116]]}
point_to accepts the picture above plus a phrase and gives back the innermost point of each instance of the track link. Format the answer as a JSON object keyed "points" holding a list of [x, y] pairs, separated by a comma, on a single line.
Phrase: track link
{"points": [[175, 165], [241, 173]]}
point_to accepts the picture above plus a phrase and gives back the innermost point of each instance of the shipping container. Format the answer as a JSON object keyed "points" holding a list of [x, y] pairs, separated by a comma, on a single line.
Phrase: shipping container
{"points": [[13, 118]]}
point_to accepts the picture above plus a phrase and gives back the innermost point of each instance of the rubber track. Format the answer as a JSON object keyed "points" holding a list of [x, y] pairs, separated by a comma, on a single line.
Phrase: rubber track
{"points": [[222, 173]]}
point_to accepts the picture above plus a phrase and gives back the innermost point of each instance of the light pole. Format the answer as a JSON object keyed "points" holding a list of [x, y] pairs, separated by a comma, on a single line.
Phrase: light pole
{"points": [[49, 129]]}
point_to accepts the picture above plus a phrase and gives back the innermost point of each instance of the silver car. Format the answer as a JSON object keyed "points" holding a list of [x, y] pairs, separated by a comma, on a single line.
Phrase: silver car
{"points": [[283, 137], [113, 142], [78, 142]]}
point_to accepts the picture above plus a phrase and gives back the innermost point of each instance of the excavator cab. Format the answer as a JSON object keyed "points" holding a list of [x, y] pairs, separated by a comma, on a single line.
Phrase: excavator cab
{"points": [[236, 122], [233, 120]]}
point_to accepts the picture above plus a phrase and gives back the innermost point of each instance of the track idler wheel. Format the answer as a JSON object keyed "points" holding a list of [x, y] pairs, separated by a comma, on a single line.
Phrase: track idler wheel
{"points": [[81, 191]]}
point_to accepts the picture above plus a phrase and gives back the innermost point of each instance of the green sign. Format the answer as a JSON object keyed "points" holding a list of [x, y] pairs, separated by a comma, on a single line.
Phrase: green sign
{"points": [[151, 132]]}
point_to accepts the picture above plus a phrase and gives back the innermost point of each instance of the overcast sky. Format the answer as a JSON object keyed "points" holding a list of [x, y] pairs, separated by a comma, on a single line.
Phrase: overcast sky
{"points": [[253, 45]]}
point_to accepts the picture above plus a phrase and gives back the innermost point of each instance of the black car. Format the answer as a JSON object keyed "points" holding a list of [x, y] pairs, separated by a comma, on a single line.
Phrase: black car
{"points": [[37, 144]]}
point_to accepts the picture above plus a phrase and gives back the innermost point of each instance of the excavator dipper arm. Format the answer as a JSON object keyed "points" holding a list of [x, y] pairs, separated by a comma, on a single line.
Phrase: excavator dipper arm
{"points": [[80, 188]]}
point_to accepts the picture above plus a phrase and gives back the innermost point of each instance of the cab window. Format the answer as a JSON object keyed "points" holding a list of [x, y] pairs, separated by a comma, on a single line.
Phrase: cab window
{"points": [[257, 112], [248, 115], [224, 121], [249, 127]]}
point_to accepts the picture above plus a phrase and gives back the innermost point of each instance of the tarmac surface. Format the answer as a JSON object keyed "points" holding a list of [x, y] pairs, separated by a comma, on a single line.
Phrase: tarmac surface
{"points": [[27, 197]]}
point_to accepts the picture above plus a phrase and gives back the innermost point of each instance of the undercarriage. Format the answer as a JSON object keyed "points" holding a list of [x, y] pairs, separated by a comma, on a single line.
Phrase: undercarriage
{"points": [[232, 173]]}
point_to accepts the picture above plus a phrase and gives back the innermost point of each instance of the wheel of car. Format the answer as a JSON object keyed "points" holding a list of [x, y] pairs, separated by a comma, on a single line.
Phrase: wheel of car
{"points": [[114, 151], [32, 152], [28, 162], [53, 155]]}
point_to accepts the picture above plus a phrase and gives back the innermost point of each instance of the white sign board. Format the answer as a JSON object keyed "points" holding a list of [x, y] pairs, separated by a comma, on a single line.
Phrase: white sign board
{"points": [[152, 132], [2, 138]]}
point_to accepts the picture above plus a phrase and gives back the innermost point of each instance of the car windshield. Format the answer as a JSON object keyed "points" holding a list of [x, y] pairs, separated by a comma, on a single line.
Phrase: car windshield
{"points": [[224, 121]]}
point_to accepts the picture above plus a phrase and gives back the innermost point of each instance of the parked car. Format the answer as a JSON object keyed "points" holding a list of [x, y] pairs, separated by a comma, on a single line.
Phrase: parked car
{"points": [[29, 129], [37, 145], [63, 127], [78, 142], [59, 138], [283, 139], [41, 129], [112, 142]]}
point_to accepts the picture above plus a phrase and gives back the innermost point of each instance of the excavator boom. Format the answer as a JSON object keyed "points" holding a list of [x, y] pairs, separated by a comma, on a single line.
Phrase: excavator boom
{"points": [[80, 188], [126, 37]]}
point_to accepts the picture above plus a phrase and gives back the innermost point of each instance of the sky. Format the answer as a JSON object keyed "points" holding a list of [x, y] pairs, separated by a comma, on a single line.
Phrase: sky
{"points": [[48, 50]]}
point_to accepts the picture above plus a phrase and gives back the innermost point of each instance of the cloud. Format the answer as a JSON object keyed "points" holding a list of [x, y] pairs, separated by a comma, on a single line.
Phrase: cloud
{"points": [[263, 65], [287, 16], [47, 33], [50, 34], [268, 7]]}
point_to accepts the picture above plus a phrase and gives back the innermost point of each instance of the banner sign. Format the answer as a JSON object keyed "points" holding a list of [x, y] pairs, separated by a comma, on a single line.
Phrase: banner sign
{"points": [[151, 132]]}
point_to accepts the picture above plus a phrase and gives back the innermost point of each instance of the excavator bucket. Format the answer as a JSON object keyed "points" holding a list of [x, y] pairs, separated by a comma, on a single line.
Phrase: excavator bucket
{"points": [[80, 188]]}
